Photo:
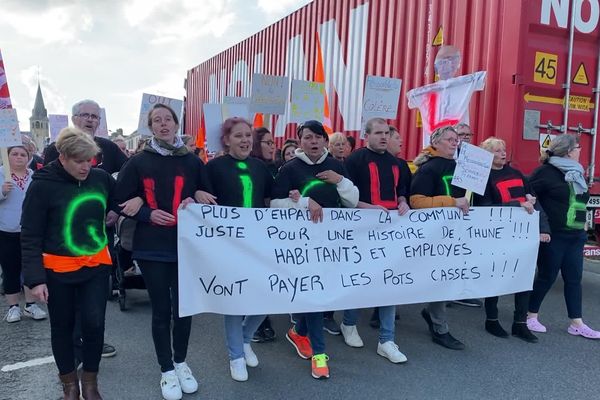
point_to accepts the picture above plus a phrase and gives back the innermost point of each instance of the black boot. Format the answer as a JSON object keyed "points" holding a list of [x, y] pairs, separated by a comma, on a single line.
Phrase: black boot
{"points": [[520, 330], [494, 327]]}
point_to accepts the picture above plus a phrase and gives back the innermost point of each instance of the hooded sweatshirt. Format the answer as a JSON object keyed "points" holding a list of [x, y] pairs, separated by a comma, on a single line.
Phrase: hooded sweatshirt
{"points": [[431, 185], [300, 174], [65, 217]]}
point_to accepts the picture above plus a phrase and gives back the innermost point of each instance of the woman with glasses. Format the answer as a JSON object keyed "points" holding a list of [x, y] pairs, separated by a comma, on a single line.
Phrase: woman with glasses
{"points": [[562, 191], [431, 187], [263, 148]]}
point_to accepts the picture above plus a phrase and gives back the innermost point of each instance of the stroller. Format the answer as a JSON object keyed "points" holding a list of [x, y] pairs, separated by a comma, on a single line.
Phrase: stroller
{"points": [[127, 273]]}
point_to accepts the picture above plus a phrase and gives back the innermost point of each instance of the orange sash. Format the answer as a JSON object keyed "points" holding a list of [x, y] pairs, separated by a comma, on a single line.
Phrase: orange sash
{"points": [[73, 263]]}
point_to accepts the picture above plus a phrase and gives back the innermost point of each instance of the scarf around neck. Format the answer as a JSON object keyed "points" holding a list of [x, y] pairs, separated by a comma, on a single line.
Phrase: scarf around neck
{"points": [[573, 172], [166, 149]]}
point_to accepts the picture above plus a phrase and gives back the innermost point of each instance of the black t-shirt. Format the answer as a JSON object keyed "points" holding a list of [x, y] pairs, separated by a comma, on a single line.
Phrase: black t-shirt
{"points": [[110, 158], [238, 183], [380, 177], [566, 210], [298, 175], [434, 179]]}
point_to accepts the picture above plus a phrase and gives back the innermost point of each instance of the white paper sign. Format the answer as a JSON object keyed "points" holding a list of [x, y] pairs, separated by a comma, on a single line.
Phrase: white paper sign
{"points": [[213, 120], [57, 122], [269, 94], [275, 261], [10, 134], [308, 101], [472, 168], [148, 101], [102, 130], [381, 97], [230, 110]]}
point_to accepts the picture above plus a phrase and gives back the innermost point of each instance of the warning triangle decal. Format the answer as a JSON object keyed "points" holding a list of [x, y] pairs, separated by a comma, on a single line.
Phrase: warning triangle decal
{"points": [[581, 76]]}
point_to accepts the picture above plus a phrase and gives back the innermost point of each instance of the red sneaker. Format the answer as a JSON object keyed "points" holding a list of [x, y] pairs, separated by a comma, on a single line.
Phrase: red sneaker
{"points": [[300, 343]]}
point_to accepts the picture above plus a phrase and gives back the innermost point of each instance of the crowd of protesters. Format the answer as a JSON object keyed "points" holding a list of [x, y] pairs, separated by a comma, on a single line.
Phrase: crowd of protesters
{"points": [[56, 230]]}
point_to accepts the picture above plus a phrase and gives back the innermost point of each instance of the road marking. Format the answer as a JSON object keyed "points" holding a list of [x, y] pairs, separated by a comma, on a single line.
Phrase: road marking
{"points": [[30, 363]]}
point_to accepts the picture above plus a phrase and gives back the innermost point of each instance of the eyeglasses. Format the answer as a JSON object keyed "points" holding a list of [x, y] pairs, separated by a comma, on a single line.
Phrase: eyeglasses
{"points": [[93, 117], [451, 140], [268, 142], [465, 134]]}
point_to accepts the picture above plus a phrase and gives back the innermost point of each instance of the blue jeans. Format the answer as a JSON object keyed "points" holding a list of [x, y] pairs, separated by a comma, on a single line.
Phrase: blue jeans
{"points": [[238, 331], [565, 254], [387, 314], [311, 324]]}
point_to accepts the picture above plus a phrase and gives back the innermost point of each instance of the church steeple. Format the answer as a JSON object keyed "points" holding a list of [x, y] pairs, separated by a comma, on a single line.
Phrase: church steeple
{"points": [[38, 122], [39, 110]]}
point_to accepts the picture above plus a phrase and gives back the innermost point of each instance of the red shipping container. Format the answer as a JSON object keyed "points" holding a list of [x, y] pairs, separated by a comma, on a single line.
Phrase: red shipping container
{"points": [[523, 45]]}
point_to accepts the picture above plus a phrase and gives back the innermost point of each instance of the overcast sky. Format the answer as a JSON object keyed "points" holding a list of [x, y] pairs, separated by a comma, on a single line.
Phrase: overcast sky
{"points": [[112, 51]]}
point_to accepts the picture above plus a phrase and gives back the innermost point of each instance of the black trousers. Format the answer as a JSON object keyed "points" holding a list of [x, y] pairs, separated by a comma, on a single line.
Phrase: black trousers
{"points": [[10, 260], [161, 282], [67, 293], [521, 305]]}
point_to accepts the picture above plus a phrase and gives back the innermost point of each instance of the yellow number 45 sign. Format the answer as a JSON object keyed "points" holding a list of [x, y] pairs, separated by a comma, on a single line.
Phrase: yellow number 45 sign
{"points": [[546, 65]]}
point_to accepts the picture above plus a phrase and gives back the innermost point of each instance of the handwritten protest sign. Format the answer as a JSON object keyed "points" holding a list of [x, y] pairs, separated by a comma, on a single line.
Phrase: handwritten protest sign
{"points": [[57, 122], [10, 135], [4, 93], [381, 97], [243, 261], [213, 119], [269, 94], [236, 107], [308, 101], [472, 168], [148, 101]]}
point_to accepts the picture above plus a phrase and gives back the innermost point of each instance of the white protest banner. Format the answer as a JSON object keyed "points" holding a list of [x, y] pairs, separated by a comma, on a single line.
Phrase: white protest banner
{"points": [[213, 120], [381, 97], [269, 94], [308, 101], [148, 101], [472, 168], [102, 130], [57, 122], [4, 93], [243, 261]]}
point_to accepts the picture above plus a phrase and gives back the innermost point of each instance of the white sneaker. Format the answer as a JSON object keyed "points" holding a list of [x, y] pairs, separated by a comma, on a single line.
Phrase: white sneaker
{"points": [[238, 369], [169, 385], [13, 314], [34, 311], [351, 336], [390, 351], [250, 356], [186, 380]]}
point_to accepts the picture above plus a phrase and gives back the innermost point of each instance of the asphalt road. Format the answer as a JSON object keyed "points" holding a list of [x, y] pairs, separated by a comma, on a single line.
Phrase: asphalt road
{"points": [[558, 367]]}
